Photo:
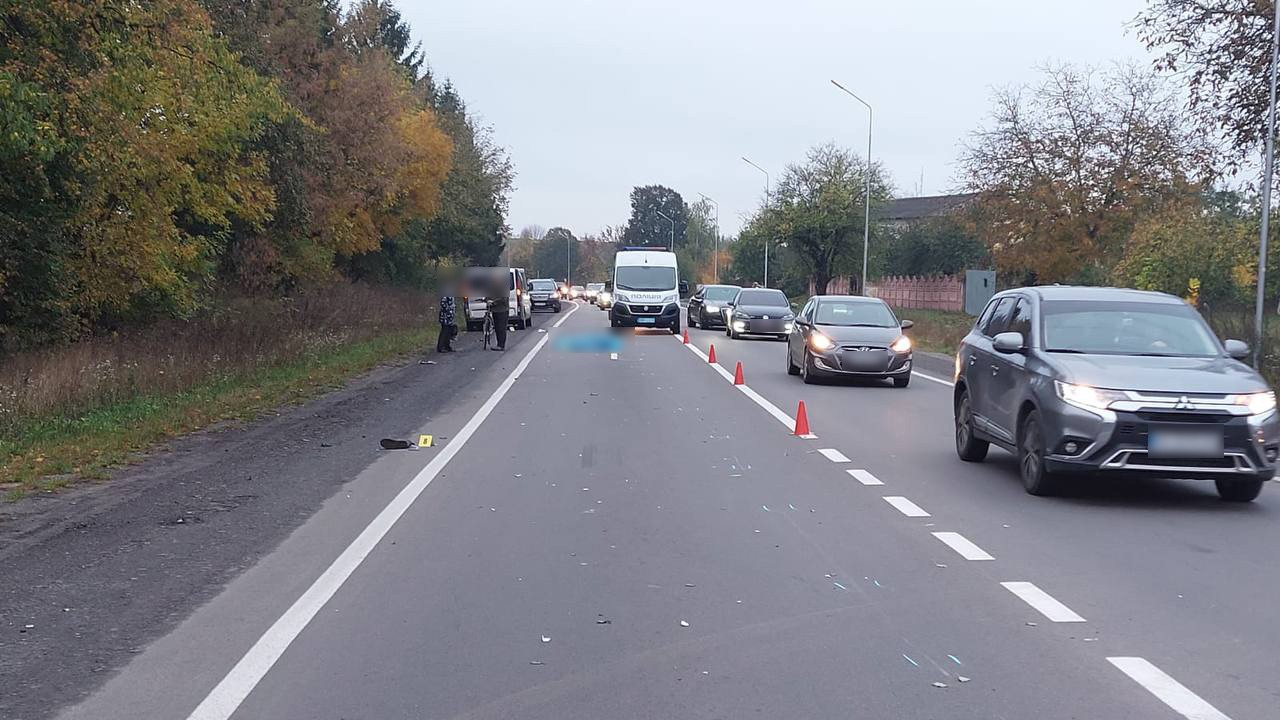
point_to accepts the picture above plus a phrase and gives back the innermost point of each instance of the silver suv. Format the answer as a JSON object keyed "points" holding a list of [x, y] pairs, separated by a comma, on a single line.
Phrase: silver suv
{"points": [[1077, 379]]}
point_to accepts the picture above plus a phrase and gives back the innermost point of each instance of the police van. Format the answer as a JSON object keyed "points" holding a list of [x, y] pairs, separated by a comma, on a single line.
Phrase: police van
{"points": [[646, 289]]}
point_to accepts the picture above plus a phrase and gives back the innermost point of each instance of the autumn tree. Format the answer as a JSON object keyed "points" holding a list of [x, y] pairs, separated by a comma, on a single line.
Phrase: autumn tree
{"points": [[646, 227], [1066, 168], [1223, 50]]}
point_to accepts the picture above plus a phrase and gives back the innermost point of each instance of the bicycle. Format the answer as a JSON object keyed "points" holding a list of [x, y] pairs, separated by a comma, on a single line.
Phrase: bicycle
{"points": [[488, 327]]}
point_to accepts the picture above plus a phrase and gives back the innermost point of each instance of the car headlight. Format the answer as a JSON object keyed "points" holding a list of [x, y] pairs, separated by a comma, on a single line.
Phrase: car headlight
{"points": [[820, 342], [622, 297], [901, 345], [711, 308], [1089, 398], [604, 296], [1258, 403]]}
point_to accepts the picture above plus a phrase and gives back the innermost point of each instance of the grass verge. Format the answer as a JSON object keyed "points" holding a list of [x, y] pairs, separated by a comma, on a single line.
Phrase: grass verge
{"points": [[937, 330], [52, 451]]}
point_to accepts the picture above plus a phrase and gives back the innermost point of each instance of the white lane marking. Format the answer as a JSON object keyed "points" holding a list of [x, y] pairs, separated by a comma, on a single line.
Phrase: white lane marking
{"points": [[566, 316], [723, 373], [613, 356], [864, 477], [694, 348], [1169, 691], [226, 697], [905, 506], [834, 455], [1042, 601], [931, 378], [961, 544], [770, 408], [808, 436]]}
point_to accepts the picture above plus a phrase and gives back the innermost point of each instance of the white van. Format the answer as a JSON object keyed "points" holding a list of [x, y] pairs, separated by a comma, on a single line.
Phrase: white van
{"points": [[646, 289]]}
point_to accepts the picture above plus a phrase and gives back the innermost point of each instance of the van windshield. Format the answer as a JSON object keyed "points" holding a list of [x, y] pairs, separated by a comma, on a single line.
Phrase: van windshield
{"points": [[646, 277]]}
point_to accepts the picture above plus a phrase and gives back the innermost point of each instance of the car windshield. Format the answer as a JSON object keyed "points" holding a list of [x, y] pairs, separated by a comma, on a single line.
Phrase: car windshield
{"points": [[595, 286], [1126, 328], [646, 277], [849, 313], [544, 285], [720, 294], [765, 298]]}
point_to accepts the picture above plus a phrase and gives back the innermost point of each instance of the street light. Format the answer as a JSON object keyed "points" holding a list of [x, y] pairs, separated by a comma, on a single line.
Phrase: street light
{"points": [[766, 204], [1266, 193], [716, 261], [866, 223], [673, 228], [568, 263]]}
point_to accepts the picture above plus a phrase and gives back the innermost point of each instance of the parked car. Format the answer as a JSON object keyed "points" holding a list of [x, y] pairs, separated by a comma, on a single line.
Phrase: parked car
{"points": [[849, 336], [708, 305], [759, 311], [1075, 379], [543, 295]]}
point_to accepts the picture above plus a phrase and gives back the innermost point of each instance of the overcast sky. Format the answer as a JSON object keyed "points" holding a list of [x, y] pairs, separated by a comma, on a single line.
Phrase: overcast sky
{"points": [[592, 97]]}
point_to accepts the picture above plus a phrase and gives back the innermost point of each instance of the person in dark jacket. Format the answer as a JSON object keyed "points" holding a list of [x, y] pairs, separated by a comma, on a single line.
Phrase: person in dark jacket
{"points": [[448, 323], [501, 316]]}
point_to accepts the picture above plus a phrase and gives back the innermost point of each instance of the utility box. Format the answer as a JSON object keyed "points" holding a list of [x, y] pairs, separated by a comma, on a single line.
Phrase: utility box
{"points": [[979, 287]]}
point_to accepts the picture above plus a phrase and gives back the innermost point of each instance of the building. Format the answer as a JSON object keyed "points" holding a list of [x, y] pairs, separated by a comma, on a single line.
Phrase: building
{"points": [[903, 211]]}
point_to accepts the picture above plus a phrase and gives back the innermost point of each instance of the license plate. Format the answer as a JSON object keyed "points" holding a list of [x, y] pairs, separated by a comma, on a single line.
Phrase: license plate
{"points": [[646, 321], [864, 361], [1200, 443]]}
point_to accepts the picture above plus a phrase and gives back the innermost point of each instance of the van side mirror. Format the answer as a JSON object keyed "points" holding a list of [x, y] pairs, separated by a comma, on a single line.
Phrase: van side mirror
{"points": [[907, 324], [684, 287], [1008, 342], [1237, 349]]}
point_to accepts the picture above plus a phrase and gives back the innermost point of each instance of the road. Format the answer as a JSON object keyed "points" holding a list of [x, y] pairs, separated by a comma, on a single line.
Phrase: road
{"points": [[631, 536]]}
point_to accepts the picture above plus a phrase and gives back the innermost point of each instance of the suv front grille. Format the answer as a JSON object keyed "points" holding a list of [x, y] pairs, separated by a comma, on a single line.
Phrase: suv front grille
{"points": [[1184, 417]]}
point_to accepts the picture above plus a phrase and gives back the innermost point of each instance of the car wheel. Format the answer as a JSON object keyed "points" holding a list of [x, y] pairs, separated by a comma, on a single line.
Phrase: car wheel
{"points": [[1035, 477], [901, 382], [791, 367], [806, 370], [675, 328], [1240, 490], [968, 447]]}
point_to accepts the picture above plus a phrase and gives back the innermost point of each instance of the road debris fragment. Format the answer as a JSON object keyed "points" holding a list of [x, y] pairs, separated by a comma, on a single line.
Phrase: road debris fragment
{"points": [[962, 678], [684, 623], [913, 662], [939, 684]]}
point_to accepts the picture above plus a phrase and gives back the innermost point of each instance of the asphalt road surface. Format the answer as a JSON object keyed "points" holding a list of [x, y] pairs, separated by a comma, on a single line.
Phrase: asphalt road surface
{"points": [[631, 536]]}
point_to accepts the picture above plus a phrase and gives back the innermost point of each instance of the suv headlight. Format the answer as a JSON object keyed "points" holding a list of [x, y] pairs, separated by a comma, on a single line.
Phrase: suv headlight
{"points": [[1258, 403], [1089, 398]]}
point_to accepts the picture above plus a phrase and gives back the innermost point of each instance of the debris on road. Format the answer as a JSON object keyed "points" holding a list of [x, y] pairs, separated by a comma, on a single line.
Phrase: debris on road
{"points": [[839, 585], [962, 679], [955, 659], [393, 444], [939, 684], [1031, 624], [684, 623], [913, 662], [536, 662], [546, 638], [689, 585]]}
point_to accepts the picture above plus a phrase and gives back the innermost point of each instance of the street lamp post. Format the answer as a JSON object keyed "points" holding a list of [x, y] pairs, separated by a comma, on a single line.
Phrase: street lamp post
{"points": [[766, 204], [568, 262], [673, 228], [1268, 172], [866, 222], [716, 259]]}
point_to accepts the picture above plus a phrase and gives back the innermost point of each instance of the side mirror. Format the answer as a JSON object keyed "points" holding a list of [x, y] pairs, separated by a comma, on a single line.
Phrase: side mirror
{"points": [[907, 324], [1008, 342], [609, 285], [1237, 349], [684, 287]]}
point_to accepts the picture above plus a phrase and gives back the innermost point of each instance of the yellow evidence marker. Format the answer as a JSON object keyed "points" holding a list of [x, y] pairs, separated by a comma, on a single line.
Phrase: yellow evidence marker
{"points": [[424, 441]]}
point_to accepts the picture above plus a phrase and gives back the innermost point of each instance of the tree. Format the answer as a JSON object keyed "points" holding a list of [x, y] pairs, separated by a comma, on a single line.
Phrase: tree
{"points": [[1067, 167], [942, 245], [818, 210], [646, 227], [1223, 49], [550, 254]]}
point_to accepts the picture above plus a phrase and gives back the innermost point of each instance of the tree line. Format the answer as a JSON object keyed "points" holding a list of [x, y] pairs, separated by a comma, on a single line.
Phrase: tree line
{"points": [[159, 154]]}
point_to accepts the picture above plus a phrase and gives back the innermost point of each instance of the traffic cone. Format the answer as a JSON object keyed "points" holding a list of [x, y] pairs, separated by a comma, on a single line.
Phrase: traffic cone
{"points": [[686, 336], [802, 420], [711, 356], [737, 375]]}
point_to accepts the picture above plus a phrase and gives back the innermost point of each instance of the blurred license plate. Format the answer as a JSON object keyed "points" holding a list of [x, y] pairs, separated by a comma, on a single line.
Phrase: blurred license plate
{"points": [[1184, 442], [646, 321]]}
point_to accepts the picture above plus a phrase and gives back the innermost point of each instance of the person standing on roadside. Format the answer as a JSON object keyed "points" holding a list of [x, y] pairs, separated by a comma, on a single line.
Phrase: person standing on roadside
{"points": [[501, 316], [448, 322]]}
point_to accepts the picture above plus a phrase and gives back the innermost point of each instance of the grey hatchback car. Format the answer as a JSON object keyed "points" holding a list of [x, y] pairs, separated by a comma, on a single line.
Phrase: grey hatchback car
{"points": [[1084, 379]]}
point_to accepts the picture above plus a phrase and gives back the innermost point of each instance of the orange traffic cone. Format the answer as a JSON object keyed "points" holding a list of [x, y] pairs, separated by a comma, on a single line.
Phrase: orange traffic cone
{"points": [[737, 375], [686, 336], [711, 355], [802, 420]]}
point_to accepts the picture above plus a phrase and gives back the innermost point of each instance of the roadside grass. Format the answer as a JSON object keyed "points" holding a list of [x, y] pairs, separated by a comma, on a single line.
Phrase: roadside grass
{"points": [[73, 411], [937, 331], [52, 451]]}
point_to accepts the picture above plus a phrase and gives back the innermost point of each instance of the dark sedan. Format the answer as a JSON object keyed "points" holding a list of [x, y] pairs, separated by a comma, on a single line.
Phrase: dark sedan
{"points": [[759, 311], [849, 336], [707, 306]]}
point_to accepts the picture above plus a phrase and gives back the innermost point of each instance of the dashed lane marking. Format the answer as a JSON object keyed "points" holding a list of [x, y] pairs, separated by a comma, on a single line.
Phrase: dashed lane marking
{"points": [[906, 507], [1042, 601], [1170, 692], [962, 545]]}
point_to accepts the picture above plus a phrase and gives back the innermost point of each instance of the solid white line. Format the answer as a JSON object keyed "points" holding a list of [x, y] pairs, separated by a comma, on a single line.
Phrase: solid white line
{"points": [[931, 378], [834, 455], [1042, 601], [864, 477], [905, 506], [961, 544], [723, 373], [1169, 691], [226, 697], [696, 351], [770, 408]]}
